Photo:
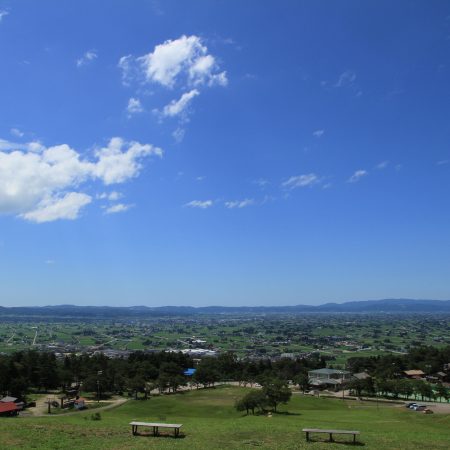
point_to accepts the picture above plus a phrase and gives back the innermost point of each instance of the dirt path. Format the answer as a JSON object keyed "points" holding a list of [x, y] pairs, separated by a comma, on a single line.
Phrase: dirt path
{"points": [[41, 408]]}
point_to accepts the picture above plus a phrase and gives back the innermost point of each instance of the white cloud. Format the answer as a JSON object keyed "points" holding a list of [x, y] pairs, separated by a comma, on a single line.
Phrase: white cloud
{"points": [[37, 183], [240, 203], [111, 196], [53, 208], [177, 107], [185, 59], [202, 204], [301, 181], [88, 57], [119, 207], [346, 79], [443, 162], [115, 165], [318, 133], [382, 165], [3, 13], [134, 106], [178, 134], [16, 132], [261, 182], [33, 146], [126, 65], [357, 176]]}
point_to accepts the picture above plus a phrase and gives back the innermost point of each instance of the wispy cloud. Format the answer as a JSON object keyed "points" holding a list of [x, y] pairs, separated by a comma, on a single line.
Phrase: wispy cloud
{"points": [[3, 13], [117, 208], [202, 204], [297, 181], [357, 176], [88, 57], [318, 133], [261, 182], [111, 196], [382, 165], [346, 78], [179, 107], [443, 162], [16, 132], [134, 106], [240, 203]]}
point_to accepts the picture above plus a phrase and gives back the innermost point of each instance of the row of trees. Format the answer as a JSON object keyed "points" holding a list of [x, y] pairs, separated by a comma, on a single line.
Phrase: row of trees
{"points": [[427, 358], [399, 388], [142, 372]]}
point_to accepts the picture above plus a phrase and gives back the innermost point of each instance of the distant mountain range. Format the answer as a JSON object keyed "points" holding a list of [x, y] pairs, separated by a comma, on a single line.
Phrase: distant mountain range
{"points": [[370, 306]]}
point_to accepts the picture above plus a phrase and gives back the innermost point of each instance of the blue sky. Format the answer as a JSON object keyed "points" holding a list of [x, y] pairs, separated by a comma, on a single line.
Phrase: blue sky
{"points": [[223, 153]]}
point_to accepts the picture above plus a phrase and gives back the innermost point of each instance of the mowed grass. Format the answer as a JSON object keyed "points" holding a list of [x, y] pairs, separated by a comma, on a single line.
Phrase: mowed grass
{"points": [[210, 422]]}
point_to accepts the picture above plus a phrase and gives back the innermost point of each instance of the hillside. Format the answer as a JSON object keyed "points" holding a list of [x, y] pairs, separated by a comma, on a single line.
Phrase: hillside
{"points": [[210, 422]]}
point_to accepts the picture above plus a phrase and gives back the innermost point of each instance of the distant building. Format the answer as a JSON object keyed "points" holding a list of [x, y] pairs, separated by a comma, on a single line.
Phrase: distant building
{"points": [[362, 376], [8, 409], [326, 378], [414, 374]]}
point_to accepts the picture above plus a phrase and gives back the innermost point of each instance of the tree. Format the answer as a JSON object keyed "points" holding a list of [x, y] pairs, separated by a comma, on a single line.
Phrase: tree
{"points": [[206, 373], [442, 392], [302, 381], [136, 385], [251, 401], [276, 392]]}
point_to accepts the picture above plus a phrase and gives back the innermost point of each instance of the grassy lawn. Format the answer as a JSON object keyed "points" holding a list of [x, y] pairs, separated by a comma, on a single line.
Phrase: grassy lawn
{"points": [[210, 422]]}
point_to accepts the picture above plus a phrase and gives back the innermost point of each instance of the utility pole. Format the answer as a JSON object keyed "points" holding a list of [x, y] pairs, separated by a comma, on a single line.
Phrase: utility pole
{"points": [[98, 385]]}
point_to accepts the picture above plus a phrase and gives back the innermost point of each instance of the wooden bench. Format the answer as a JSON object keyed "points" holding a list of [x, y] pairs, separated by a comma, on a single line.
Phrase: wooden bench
{"points": [[330, 432], [156, 426]]}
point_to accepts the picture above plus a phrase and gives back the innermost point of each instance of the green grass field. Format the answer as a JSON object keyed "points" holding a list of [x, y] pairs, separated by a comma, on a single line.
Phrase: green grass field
{"points": [[210, 422]]}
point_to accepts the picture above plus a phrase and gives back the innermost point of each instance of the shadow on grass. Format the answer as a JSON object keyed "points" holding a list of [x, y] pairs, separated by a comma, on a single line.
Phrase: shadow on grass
{"points": [[160, 436], [334, 441]]}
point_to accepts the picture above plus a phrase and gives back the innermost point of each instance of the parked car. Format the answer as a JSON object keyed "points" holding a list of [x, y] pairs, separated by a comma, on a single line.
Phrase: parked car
{"points": [[420, 408], [410, 405]]}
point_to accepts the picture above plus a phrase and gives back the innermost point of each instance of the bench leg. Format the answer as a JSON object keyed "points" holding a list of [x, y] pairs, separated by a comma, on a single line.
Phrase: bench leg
{"points": [[354, 439], [307, 436], [331, 437]]}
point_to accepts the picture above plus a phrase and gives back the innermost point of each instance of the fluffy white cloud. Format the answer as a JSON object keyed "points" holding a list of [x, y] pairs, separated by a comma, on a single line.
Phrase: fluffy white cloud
{"points": [[134, 106], [177, 107], [185, 64], [240, 203], [301, 181], [37, 183], [185, 58], [66, 207], [202, 204], [357, 176], [318, 133], [88, 57], [115, 165], [119, 207]]}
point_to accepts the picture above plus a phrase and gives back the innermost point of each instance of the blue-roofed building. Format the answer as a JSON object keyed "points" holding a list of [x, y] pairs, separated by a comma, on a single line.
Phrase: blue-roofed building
{"points": [[190, 372]]}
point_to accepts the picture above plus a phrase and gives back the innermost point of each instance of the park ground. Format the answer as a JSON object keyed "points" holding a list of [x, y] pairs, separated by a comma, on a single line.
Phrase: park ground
{"points": [[211, 422]]}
